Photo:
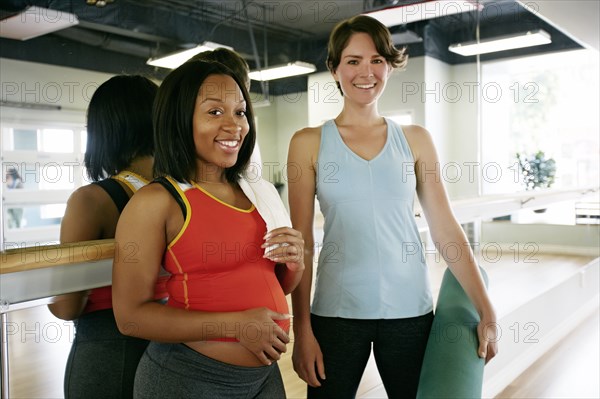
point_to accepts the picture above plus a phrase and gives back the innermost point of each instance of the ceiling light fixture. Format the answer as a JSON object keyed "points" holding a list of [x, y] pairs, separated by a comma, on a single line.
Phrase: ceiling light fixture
{"points": [[402, 35], [405, 14], [35, 21], [501, 43], [283, 71], [173, 60]]}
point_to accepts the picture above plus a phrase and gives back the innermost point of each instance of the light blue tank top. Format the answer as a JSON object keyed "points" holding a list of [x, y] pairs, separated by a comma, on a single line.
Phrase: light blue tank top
{"points": [[371, 264]]}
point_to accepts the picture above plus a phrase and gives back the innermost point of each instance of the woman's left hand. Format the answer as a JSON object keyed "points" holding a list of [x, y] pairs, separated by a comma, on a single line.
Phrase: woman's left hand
{"points": [[285, 245], [487, 330]]}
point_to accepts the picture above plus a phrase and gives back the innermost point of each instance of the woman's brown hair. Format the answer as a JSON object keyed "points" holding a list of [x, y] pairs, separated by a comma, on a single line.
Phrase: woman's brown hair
{"points": [[376, 30]]}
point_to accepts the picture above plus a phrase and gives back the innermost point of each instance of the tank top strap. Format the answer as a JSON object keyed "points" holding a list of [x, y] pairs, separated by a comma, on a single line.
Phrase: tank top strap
{"points": [[328, 132], [117, 193], [131, 180], [399, 141]]}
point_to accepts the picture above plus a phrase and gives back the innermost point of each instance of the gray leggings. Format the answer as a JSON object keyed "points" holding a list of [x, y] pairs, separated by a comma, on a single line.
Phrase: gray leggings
{"points": [[102, 362], [176, 371]]}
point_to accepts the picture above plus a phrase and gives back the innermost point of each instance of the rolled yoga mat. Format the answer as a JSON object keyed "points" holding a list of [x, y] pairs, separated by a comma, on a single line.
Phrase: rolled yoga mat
{"points": [[452, 367]]}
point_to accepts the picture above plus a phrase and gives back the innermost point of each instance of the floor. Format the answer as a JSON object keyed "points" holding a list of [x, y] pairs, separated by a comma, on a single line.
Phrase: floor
{"points": [[569, 370], [39, 343]]}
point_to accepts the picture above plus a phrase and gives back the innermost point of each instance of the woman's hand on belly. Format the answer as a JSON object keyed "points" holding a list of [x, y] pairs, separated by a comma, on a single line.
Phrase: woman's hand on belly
{"points": [[260, 339], [258, 332], [226, 352]]}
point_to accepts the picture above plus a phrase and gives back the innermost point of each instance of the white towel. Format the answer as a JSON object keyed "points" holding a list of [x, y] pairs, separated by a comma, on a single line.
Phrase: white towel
{"points": [[266, 199]]}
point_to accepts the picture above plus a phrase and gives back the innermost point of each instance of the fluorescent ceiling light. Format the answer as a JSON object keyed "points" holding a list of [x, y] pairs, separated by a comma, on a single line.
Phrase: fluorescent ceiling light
{"points": [[406, 37], [283, 71], [35, 21], [501, 43], [424, 10], [173, 60]]}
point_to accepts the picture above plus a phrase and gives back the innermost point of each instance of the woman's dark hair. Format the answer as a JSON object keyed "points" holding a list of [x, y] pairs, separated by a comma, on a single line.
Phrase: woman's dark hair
{"points": [[230, 59], [338, 40], [173, 122], [119, 125]]}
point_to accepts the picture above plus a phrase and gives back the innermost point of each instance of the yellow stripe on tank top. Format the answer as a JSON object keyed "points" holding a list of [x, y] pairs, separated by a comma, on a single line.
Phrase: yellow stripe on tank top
{"points": [[184, 282]]}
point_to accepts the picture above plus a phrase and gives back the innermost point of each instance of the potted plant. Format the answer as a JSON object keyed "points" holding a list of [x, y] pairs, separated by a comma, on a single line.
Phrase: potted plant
{"points": [[537, 170]]}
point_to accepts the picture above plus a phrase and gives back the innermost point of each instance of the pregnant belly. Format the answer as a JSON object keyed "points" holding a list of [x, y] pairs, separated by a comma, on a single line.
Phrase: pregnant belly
{"points": [[226, 352]]}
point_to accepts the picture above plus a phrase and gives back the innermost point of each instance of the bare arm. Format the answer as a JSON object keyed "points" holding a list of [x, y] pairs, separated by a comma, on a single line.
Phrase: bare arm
{"points": [[290, 274], [289, 256], [149, 221], [90, 215], [446, 231], [302, 157]]}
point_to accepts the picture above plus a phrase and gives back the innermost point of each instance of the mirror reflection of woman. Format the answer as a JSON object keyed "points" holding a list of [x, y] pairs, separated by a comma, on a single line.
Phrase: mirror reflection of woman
{"points": [[118, 160]]}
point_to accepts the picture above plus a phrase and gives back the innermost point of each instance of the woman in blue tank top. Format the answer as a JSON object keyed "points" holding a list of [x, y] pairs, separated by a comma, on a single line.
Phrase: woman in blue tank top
{"points": [[372, 288]]}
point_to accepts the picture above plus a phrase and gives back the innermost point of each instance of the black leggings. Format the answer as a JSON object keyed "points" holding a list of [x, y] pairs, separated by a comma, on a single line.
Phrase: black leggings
{"points": [[398, 346]]}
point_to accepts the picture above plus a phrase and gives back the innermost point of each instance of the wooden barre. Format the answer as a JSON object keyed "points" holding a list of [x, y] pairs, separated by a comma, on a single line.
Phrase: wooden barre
{"points": [[45, 256]]}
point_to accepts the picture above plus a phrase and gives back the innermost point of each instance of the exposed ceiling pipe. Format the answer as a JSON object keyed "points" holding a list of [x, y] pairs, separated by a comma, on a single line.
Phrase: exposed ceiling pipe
{"points": [[106, 42], [130, 33], [263, 86], [229, 17]]}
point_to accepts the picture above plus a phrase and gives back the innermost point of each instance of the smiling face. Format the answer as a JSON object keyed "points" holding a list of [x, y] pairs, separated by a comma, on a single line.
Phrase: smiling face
{"points": [[362, 72], [220, 125]]}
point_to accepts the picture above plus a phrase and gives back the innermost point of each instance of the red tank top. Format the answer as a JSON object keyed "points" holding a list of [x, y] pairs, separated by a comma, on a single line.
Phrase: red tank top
{"points": [[216, 261]]}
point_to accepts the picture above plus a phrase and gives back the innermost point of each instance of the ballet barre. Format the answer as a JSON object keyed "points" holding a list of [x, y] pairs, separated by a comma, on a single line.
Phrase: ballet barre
{"points": [[34, 276]]}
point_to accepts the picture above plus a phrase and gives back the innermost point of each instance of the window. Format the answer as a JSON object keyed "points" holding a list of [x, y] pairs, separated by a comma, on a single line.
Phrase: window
{"points": [[23, 140], [544, 103], [56, 140], [47, 165]]}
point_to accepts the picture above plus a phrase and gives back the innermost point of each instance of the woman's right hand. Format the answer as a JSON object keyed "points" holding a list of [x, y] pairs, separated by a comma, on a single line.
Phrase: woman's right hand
{"points": [[308, 359], [259, 333]]}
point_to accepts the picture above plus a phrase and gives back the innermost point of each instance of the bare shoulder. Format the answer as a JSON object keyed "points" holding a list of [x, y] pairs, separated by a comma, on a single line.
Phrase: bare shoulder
{"points": [[155, 212], [309, 131], [419, 139], [153, 201], [154, 196], [92, 203], [305, 145], [415, 132], [307, 136], [90, 214], [92, 195], [149, 206]]}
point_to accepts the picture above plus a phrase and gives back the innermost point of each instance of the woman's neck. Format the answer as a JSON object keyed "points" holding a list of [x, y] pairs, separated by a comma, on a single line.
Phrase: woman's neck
{"points": [[359, 115], [210, 174], [142, 166]]}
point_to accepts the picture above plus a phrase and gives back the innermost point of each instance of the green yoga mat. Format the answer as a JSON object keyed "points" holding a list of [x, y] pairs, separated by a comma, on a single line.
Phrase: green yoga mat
{"points": [[451, 367]]}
